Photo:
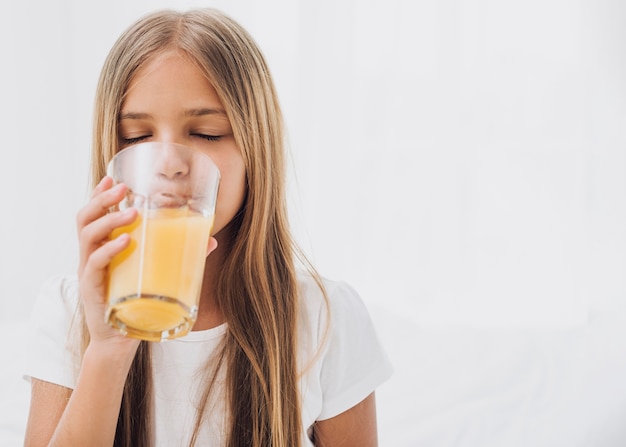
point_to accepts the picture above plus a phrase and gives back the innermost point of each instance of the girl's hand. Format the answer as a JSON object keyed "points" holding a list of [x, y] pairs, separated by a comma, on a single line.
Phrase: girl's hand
{"points": [[96, 250], [95, 223]]}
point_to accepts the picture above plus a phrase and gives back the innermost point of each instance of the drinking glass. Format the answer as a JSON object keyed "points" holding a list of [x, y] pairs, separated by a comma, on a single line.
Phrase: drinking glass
{"points": [[154, 284]]}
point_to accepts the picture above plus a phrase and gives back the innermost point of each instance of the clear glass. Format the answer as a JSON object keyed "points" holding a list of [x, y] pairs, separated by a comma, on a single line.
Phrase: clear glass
{"points": [[154, 284]]}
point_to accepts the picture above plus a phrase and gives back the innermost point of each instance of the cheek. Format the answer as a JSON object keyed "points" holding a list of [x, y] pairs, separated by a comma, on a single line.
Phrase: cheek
{"points": [[231, 194]]}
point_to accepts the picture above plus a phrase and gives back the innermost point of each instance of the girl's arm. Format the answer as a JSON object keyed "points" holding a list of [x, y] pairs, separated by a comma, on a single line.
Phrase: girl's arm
{"points": [[47, 402], [86, 416], [355, 427]]}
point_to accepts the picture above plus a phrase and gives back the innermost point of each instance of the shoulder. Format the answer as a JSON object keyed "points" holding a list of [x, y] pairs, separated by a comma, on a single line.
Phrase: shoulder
{"points": [[50, 351], [344, 359], [61, 287], [327, 307], [56, 301], [336, 311], [319, 296]]}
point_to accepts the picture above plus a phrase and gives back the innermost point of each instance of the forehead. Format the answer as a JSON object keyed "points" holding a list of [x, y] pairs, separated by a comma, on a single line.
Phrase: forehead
{"points": [[169, 75]]}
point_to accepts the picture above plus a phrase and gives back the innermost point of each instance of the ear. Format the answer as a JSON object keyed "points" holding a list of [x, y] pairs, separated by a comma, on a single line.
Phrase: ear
{"points": [[212, 245]]}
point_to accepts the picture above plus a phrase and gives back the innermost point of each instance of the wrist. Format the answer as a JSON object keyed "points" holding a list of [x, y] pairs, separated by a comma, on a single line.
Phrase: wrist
{"points": [[112, 355]]}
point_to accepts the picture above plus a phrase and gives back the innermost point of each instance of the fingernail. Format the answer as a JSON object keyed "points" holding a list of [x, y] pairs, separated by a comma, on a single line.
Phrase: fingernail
{"points": [[122, 238]]}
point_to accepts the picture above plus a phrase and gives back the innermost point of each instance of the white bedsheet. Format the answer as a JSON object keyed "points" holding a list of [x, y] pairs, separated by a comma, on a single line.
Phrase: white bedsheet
{"points": [[460, 387]]}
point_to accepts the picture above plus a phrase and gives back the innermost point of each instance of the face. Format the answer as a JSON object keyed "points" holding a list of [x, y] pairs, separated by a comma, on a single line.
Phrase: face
{"points": [[170, 100]]}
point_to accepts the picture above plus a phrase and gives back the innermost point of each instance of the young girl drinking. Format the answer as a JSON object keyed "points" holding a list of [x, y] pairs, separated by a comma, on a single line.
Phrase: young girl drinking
{"points": [[278, 356]]}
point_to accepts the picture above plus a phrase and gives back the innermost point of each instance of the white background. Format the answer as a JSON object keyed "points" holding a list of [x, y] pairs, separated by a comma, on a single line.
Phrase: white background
{"points": [[456, 161]]}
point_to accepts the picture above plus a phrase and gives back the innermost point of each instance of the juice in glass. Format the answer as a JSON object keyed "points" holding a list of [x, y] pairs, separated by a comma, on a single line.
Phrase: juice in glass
{"points": [[154, 284]]}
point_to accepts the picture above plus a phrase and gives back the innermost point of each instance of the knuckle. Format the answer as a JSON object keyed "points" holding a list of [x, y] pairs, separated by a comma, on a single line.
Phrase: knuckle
{"points": [[84, 233], [94, 262], [81, 218]]}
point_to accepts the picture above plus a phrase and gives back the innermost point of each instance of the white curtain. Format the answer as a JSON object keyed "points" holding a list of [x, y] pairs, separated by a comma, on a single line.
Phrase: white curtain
{"points": [[456, 161]]}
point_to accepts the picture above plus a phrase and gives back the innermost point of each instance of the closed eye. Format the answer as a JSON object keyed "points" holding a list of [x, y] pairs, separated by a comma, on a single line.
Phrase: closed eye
{"points": [[134, 140], [207, 137]]}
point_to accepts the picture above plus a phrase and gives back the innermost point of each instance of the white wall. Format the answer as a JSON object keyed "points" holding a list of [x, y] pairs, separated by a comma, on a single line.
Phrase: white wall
{"points": [[456, 161]]}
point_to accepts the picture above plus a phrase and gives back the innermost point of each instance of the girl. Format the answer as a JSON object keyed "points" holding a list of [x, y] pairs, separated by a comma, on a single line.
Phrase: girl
{"points": [[277, 357]]}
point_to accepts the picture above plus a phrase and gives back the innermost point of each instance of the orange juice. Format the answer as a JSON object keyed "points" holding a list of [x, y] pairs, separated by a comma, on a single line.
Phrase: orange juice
{"points": [[154, 284]]}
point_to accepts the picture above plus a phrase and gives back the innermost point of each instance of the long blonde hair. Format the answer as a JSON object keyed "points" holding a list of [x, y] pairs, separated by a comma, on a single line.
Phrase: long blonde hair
{"points": [[257, 289]]}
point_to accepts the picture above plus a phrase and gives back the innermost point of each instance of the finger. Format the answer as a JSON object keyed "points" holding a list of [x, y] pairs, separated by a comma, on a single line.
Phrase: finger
{"points": [[211, 245], [98, 232], [105, 183], [94, 270], [100, 204]]}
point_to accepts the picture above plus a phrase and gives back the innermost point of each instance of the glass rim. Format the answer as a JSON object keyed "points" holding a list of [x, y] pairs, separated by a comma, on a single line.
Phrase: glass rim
{"points": [[195, 153]]}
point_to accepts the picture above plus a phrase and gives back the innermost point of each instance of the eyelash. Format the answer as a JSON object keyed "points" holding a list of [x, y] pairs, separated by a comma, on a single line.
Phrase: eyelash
{"points": [[129, 141], [207, 137]]}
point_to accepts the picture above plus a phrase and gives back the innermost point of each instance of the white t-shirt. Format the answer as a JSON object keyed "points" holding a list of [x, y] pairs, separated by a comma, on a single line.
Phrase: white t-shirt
{"points": [[348, 368]]}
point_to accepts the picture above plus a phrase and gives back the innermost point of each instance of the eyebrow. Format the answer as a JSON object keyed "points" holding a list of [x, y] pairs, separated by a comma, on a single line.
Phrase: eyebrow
{"points": [[134, 116], [204, 111], [188, 113]]}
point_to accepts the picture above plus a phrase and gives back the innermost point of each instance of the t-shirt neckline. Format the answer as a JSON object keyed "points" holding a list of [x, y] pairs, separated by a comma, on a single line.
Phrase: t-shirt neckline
{"points": [[203, 335]]}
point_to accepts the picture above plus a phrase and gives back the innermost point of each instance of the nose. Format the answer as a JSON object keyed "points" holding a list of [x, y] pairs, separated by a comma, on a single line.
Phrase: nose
{"points": [[172, 175], [173, 164]]}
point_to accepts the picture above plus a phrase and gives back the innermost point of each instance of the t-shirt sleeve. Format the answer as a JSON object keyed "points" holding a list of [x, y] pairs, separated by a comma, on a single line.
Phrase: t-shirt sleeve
{"points": [[49, 354], [354, 362]]}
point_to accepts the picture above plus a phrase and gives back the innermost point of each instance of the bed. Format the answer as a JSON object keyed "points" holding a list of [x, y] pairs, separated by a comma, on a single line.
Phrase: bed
{"points": [[460, 386]]}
